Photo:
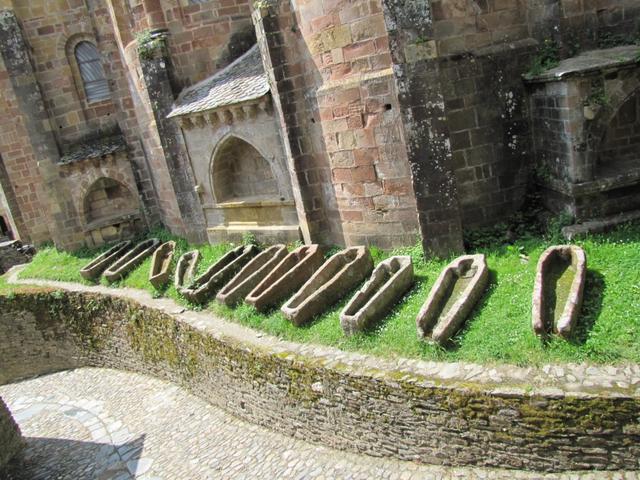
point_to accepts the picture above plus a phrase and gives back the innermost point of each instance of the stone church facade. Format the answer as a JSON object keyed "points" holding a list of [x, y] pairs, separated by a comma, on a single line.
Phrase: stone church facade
{"points": [[338, 121]]}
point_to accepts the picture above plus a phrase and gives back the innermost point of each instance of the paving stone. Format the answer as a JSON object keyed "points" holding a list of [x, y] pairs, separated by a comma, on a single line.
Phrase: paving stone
{"points": [[183, 438]]}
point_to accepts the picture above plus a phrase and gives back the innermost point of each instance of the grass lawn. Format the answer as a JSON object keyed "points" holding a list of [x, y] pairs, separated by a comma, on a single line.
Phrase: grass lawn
{"points": [[499, 329]]}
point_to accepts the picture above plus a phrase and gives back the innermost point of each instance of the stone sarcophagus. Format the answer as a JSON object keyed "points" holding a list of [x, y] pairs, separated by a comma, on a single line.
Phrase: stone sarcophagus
{"points": [[207, 284], [251, 275], [388, 283], [339, 275], [161, 264], [286, 277], [134, 257], [99, 264], [558, 290], [452, 297]]}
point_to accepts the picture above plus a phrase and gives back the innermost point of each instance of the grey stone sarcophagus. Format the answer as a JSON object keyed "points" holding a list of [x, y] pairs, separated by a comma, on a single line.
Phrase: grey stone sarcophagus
{"points": [[186, 269], [207, 284], [161, 264], [456, 291], [388, 283], [99, 264], [334, 279], [286, 277], [558, 290], [251, 275], [134, 257]]}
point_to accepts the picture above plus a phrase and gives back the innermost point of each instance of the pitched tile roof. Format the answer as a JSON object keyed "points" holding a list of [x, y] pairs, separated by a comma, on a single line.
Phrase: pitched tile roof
{"points": [[243, 80]]}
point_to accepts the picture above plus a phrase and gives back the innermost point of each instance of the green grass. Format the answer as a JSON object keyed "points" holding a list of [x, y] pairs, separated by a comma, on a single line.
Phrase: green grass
{"points": [[498, 331]]}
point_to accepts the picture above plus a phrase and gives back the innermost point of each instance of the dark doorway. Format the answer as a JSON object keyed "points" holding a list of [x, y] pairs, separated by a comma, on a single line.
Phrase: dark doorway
{"points": [[4, 228]]}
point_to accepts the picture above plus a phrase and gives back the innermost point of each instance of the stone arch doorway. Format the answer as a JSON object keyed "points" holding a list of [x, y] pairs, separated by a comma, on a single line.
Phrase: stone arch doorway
{"points": [[107, 198], [241, 173], [251, 195], [4, 228]]}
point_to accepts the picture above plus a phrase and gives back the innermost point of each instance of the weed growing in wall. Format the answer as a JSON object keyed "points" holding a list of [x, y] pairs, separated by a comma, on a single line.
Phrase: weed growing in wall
{"points": [[548, 57], [148, 44]]}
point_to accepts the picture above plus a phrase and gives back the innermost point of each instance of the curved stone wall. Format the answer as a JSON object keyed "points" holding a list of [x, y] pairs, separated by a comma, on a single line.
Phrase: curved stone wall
{"points": [[458, 414]]}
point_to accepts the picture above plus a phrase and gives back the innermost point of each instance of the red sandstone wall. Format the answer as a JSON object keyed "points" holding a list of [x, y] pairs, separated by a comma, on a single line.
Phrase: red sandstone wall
{"points": [[24, 182], [204, 37], [343, 119]]}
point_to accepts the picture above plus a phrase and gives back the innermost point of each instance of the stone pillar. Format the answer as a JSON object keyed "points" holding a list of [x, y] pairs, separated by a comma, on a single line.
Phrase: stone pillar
{"points": [[11, 442], [310, 173], [420, 91], [64, 226], [156, 69]]}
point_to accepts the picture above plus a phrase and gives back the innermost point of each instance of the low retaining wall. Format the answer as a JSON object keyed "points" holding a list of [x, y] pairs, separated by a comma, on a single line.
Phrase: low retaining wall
{"points": [[10, 438], [335, 398]]}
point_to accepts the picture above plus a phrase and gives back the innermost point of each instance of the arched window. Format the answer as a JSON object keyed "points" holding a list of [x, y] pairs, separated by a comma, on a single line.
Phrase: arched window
{"points": [[96, 86]]}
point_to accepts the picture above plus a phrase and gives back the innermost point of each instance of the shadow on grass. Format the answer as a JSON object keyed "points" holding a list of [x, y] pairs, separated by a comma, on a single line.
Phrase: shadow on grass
{"points": [[454, 343], [595, 287]]}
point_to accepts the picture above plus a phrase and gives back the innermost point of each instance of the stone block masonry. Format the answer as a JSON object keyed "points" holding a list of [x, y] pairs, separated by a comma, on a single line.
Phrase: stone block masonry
{"points": [[554, 418], [11, 442]]}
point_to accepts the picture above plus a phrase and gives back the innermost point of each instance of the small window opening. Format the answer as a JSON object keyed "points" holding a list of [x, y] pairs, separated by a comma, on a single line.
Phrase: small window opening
{"points": [[96, 86]]}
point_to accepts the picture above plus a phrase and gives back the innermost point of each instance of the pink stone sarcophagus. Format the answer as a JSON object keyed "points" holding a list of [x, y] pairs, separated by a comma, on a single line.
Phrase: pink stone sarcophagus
{"points": [[334, 279], [207, 284], [99, 264], [388, 283], [251, 275], [558, 290], [134, 257], [286, 277], [186, 269], [161, 264], [456, 291]]}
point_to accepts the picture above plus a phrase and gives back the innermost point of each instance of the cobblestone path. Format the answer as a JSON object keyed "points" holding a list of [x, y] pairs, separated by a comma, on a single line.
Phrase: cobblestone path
{"points": [[105, 424]]}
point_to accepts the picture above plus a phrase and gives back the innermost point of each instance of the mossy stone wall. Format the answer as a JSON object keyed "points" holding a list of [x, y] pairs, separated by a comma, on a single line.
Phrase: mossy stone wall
{"points": [[381, 413]]}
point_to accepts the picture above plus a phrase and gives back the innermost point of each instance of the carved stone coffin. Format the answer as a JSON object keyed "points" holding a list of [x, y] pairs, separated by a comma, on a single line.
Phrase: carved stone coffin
{"points": [[251, 275], [558, 290], [186, 269], [161, 264], [286, 277], [99, 264], [207, 284], [339, 274], [134, 257], [388, 283], [458, 288]]}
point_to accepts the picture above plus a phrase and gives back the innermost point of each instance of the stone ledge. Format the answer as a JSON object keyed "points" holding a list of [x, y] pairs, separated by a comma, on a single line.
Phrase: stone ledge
{"points": [[553, 418]]}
